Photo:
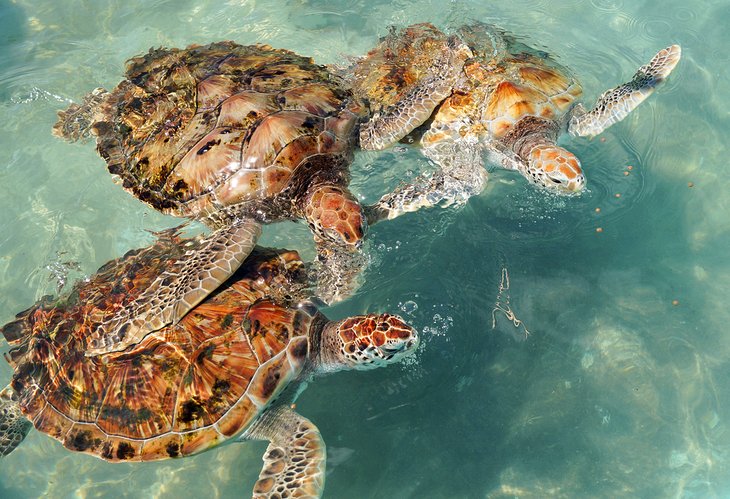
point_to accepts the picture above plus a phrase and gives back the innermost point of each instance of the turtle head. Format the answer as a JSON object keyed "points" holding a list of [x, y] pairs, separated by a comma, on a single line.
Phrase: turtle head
{"points": [[335, 216], [554, 168], [366, 341]]}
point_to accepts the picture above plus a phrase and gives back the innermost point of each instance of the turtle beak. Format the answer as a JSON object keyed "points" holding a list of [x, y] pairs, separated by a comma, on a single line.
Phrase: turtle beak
{"points": [[572, 186], [391, 351]]}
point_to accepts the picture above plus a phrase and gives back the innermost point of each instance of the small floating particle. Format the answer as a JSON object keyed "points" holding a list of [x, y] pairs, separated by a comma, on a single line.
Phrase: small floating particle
{"points": [[629, 167], [602, 139], [675, 302], [599, 229], [690, 184], [294, 406], [598, 210], [617, 195]]}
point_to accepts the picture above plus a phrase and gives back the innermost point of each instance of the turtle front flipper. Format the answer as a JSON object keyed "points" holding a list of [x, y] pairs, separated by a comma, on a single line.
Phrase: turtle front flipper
{"points": [[78, 120], [337, 271], [387, 128], [615, 104], [461, 176], [294, 462], [13, 425], [338, 224], [177, 290], [419, 101]]}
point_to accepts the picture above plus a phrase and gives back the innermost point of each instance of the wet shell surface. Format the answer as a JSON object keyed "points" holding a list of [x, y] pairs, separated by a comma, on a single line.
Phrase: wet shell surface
{"points": [[182, 389], [198, 130], [500, 84]]}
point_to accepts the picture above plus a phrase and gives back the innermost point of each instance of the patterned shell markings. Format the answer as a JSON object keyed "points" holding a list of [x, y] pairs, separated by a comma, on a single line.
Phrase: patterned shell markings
{"points": [[390, 70], [192, 130], [181, 390], [503, 87]]}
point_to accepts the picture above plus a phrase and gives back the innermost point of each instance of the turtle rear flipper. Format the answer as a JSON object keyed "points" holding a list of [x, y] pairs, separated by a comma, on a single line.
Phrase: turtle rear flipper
{"points": [[294, 462], [615, 104], [180, 288], [13, 425], [77, 121]]}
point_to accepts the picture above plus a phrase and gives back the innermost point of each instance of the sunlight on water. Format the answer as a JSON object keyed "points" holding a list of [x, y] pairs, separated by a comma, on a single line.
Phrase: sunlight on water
{"points": [[618, 390]]}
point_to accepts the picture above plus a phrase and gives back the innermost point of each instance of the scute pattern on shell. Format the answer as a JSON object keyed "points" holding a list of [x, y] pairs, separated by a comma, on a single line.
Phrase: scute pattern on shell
{"points": [[502, 82], [401, 60], [180, 390], [505, 82], [194, 131]]}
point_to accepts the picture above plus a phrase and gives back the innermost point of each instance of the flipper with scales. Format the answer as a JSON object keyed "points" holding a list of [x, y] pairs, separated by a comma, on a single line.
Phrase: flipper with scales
{"points": [[388, 127], [77, 122], [404, 79], [13, 425], [177, 290], [460, 175], [294, 461], [615, 104], [337, 272]]}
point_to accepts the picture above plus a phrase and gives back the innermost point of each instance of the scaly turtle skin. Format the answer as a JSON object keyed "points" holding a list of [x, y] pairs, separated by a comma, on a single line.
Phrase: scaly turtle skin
{"points": [[224, 133], [230, 368], [480, 93]]}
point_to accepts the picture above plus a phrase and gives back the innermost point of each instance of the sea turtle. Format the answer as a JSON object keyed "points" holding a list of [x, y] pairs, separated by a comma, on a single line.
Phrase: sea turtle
{"points": [[229, 369], [480, 93], [225, 133]]}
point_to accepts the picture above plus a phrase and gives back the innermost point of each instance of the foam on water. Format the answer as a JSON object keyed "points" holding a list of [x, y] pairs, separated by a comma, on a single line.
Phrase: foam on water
{"points": [[619, 389]]}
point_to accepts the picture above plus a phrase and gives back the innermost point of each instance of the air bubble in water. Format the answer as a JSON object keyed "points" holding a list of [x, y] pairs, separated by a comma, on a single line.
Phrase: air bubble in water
{"points": [[409, 307], [440, 326]]}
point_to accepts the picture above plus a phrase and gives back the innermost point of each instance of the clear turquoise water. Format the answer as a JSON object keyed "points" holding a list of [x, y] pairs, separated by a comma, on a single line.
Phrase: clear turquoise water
{"points": [[616, 392]]}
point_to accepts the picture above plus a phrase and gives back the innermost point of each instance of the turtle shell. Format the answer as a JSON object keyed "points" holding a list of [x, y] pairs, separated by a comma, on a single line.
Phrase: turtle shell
{"points": [[402, 60], [199, 130], [180, 390], [505, 83]]}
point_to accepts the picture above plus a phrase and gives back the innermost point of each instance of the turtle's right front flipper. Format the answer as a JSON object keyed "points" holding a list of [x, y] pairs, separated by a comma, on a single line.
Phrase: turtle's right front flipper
{"points": [[177, 290], [337, 272], [294, 462], [425, 191], [13, 425], [77, 122], [387, 128], [419, 101], [615, 104], [461, 175]]}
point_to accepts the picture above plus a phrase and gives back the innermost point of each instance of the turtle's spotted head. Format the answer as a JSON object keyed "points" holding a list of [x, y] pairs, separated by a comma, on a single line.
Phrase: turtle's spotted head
{"points": [[335, 216], [554, 168], [367, 341]]}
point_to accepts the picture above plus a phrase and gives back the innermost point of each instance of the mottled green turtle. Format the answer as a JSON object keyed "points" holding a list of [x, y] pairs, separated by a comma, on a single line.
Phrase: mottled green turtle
{"points": [[229, 369], [481, 93], [223, 133]]}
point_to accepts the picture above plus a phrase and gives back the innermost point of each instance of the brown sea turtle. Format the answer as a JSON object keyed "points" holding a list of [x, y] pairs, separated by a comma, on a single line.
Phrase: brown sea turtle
{"points": [[481, 93], [229, 135], [229, 369]]}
